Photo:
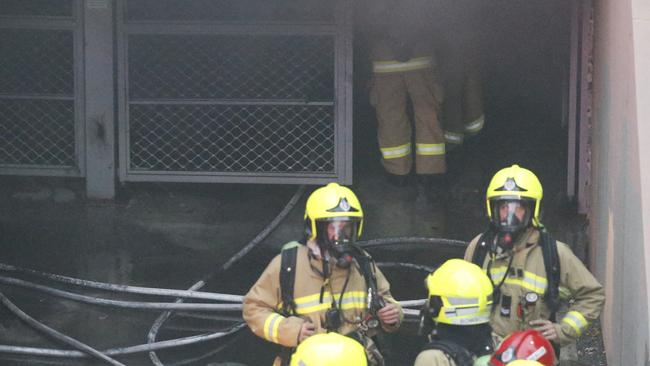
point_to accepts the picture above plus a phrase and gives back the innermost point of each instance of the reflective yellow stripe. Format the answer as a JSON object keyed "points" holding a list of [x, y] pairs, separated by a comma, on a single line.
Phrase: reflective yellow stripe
{"points": [[383, 67], [497, 273], [312, 304], [396, 151], [576, 320], [311, 298], [353, 300], [271, 325], [430, 149], [530, 281], [314, 308], [522, 283], [565, 293], [453, 137], [476, 125]]}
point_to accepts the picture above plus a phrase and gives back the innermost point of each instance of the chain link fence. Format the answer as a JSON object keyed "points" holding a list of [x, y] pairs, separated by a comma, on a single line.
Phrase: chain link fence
{"points": [[37, 88], [238, 100], [51, 8], [232, 138], [231, 10]]}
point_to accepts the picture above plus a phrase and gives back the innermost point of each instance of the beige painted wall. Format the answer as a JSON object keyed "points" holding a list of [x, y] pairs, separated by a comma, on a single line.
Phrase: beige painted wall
{"points": [[620, 212]]}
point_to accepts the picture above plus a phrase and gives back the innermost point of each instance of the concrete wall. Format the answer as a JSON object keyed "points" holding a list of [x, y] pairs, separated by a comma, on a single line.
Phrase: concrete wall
{"points": [[620, 213]]}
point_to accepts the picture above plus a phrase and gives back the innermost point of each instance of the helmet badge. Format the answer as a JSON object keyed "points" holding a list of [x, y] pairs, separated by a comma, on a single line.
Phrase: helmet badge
{"points": [[511, 185], [343, 206]]}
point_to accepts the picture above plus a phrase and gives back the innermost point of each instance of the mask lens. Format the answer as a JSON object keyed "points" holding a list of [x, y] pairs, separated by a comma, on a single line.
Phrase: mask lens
{"points": [[340, 232], [511, 215], [508, 213]]}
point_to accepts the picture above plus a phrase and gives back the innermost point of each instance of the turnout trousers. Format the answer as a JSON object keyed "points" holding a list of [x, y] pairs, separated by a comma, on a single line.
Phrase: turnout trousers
{"points": [[393, 83]]}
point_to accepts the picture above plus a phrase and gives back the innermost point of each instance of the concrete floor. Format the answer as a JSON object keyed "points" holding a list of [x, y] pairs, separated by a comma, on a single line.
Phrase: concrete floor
{"points": [[171, 235]]}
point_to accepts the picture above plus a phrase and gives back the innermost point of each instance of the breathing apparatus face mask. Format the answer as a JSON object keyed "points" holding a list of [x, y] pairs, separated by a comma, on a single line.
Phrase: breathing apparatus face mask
{"points": [[510, 217], [338, 236]]}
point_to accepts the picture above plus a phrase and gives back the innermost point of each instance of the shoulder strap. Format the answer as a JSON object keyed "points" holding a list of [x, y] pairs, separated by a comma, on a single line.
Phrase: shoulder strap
{"points": [[460, 355], [288, 276], [482, 247], [552, 267]]}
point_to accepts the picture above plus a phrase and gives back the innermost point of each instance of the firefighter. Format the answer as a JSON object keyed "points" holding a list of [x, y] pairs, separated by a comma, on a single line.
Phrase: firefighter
{"points": [[326, 283], [459, 305], [458, 28], [404, 68], [531, 272], [329, 349], [524, 345]]}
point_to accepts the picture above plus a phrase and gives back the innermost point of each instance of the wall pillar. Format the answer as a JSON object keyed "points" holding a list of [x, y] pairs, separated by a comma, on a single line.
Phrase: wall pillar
{"points": [[99, 99]]}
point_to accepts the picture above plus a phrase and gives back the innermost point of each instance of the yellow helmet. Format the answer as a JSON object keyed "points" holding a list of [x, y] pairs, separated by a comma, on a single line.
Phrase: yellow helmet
{"points": [[515, 185], [460, 293], [332, 203], [329, 349], [524, 363]]}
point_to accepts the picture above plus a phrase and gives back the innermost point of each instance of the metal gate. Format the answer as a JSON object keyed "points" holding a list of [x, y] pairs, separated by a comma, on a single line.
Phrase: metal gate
{"points": [[234, 91], [40, 82]]}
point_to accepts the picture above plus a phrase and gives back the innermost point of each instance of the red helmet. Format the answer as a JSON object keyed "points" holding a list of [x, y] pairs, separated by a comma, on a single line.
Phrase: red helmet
{"points": [[524, 345]]}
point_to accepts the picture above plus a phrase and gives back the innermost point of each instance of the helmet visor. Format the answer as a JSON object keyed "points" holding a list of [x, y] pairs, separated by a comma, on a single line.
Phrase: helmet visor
{"points": [[511, 215]]}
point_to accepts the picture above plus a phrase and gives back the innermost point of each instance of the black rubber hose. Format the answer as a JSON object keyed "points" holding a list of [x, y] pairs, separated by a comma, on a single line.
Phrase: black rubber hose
{"points": [[383, 242], [417, 267], [158, 323], [124, 288], [56, 334], [59, 353], [140, 305], [221, 347]]}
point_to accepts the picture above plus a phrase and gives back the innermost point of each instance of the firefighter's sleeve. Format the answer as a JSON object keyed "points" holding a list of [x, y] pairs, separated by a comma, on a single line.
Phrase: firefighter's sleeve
{"points": [[583, 289], [383, 288], [469, 251], [261, 305]]}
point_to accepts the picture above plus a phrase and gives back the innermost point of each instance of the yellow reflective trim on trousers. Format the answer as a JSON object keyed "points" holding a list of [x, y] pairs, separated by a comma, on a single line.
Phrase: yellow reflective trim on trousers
{"points": [[454, 137], [395, 152], [271, 325], [430, 149], [576, 320], [476, 125], [418, 63]]}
